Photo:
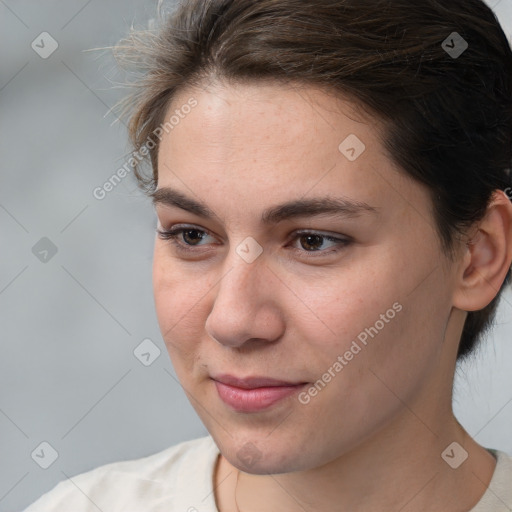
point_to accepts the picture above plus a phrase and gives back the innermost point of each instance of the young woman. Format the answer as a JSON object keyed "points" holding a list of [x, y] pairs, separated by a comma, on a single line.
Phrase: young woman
{"points": [[333, 191]]}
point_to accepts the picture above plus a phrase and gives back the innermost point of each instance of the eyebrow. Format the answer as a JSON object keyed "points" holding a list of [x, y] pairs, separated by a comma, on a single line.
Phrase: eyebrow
{"points": [[298, 208]]}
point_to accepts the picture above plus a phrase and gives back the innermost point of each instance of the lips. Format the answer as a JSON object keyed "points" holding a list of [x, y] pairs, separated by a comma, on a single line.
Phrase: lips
{"points": [[253, 394], [253, 382]]}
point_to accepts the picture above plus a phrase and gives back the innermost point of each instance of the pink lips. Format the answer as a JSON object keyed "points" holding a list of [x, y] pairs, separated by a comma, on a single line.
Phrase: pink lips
{"points": [[254, 393]]}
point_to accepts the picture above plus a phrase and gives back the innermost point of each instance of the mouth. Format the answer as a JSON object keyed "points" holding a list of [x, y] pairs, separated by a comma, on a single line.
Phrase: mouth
{"points": [[253, 394]]}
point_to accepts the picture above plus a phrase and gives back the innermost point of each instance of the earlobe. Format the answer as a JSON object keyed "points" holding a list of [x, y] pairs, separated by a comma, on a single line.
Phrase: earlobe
{"points": [[487, 257]]}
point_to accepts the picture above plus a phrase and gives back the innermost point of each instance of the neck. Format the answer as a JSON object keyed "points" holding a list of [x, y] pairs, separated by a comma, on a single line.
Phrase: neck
{"points": [[393, 472]]}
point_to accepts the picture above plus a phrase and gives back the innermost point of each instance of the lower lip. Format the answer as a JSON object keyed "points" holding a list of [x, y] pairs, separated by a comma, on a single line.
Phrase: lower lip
{"points": [[253, 400]]}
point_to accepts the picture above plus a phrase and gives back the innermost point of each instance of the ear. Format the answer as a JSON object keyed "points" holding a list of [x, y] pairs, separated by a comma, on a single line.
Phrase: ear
{"points": [[487, 257]]}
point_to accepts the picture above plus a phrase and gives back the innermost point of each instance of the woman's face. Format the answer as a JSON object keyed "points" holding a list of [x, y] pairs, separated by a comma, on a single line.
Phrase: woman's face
{"points": [[357, 310]]}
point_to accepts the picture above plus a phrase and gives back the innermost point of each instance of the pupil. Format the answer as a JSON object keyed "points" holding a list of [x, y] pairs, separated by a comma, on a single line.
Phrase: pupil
{"points": [[185, 233], [318, 238]]}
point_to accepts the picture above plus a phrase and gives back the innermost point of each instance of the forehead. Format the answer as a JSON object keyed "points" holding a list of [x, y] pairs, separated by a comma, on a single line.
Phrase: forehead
{"points": [[230, 113], [250, 130], [243, 151]]}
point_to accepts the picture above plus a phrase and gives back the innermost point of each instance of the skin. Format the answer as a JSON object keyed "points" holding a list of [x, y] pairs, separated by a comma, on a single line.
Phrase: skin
{"points": [[372, 439]]}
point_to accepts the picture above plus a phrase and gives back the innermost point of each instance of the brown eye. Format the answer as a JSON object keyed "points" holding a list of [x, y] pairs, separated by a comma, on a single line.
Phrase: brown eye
{"points": [[192, 238], [312, 242], [184, 238]]}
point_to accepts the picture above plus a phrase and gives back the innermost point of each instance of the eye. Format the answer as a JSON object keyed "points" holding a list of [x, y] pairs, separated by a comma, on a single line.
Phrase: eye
{"points": [[185, 238], [191, 236], [315, 240]]}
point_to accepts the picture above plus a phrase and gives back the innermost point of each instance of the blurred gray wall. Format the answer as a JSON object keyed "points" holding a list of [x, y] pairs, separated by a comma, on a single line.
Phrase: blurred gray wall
{"points": [[75, 271]]}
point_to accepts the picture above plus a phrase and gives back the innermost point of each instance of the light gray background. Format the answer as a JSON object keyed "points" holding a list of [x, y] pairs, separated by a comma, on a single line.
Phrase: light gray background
{"points": [[69, 326]]}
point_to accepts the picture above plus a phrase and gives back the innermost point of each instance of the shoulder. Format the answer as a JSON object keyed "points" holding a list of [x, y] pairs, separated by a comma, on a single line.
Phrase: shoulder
{"points": [[503, 473], [498, 496], [156, 482]]}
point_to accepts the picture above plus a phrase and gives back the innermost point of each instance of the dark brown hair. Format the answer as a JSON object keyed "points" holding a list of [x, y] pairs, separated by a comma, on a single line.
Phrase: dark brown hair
{"points": [[447, 117]]}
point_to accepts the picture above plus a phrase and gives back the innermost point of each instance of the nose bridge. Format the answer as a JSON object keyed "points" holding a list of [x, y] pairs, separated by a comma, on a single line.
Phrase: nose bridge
{"points": [[246, 264]]}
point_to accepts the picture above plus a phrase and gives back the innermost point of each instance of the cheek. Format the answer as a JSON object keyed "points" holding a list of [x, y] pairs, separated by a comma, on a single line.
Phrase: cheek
{"points": [[389, 341], [163, 286], [179, 296], [370, 318], [337, 310]]}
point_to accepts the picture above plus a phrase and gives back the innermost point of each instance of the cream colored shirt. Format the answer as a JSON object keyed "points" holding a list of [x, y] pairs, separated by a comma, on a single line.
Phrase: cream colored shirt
{"points": [[180, 479]]}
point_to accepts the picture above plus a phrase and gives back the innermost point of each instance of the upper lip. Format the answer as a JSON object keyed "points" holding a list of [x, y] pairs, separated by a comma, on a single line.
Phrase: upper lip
{"points": [[253, 382]]}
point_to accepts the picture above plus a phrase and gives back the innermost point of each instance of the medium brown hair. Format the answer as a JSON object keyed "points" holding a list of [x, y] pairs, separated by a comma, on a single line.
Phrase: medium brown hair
{"points": [[447, 117]]}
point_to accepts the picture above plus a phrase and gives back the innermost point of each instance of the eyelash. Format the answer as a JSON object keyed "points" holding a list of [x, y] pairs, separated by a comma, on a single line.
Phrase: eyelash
{"points": [[171, 235]]}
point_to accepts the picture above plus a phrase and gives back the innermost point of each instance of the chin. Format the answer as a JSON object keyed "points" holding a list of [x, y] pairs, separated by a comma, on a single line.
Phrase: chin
{"points": [[261, 455], [270, 462]]}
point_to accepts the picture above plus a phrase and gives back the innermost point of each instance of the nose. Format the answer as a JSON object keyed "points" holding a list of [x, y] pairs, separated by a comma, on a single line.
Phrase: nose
{"points": [[246, 305]]}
